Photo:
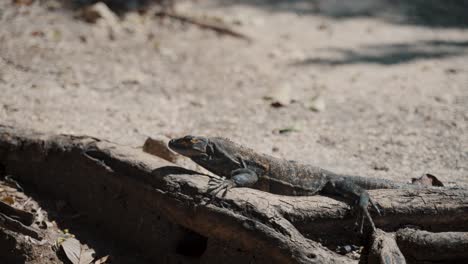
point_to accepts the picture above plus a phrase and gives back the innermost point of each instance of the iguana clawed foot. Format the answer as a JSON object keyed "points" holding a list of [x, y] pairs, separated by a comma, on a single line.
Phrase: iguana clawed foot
{"points": [[216, 185], [242, 177]]}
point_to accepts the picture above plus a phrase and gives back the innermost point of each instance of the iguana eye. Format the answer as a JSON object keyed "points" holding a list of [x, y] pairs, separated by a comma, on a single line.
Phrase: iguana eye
{"points": [[194, 140]]}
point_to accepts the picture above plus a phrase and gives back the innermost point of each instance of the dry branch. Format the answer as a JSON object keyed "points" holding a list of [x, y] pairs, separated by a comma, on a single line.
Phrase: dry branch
{"points": [[384, 249], [17, 226], [425, 246], [20, 215], [141, 196], [221, 29]]}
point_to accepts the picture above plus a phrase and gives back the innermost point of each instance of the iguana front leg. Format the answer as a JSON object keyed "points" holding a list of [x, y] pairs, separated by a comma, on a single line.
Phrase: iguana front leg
{"points": [[243, 177], [359, 196]]}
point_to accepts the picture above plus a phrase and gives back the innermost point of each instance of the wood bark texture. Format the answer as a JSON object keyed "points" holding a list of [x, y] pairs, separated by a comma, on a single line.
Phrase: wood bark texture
{"points": [[151, 203], [384, 249], [424, 246]]}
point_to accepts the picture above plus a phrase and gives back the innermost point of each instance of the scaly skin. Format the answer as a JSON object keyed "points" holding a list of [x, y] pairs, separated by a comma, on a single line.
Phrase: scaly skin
{"points": [[245, 168]]}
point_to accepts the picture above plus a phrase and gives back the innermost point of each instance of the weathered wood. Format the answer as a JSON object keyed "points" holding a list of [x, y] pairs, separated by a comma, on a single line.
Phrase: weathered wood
{"points": [[20, 215], [146, 199], [424, 246], [18, 227], [13, 248], [141, 199], [384, 249]]}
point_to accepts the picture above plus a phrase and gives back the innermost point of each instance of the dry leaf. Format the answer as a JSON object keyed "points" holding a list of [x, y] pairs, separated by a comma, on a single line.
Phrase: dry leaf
{"points": [[102, 260], [316, 104], [77, 253], [427, 180], [8, 200]]}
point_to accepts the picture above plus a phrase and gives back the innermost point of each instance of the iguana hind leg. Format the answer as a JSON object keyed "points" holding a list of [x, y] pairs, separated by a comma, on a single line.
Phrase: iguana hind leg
{"points": [[362, 206], [239, 178], [358, 196]]}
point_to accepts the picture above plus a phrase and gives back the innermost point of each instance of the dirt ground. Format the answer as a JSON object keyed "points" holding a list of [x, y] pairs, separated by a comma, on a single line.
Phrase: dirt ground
{"points": [[389, 81]]}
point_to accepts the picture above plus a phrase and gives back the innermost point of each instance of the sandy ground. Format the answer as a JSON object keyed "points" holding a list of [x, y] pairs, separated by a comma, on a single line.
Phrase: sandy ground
{"points": [[393, 86]]}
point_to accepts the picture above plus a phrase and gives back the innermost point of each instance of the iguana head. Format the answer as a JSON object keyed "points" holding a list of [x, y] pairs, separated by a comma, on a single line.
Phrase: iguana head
{"points": [[190, 146]]}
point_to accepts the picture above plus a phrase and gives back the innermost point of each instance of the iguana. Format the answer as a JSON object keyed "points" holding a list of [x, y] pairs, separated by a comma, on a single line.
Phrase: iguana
{"points": [[243, 167]]}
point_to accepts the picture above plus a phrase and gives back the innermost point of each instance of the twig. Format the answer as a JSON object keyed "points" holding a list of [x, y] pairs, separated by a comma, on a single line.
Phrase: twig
{"points": [[23, 216], [204, 24], [13, 183], [17, 226]]}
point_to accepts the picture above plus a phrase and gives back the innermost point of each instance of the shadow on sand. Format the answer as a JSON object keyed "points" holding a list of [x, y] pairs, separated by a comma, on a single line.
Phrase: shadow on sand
{"points": [[431, 13], [390, 54]]}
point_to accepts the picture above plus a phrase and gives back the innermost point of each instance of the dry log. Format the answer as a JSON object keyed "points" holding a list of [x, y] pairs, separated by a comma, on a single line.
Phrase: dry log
{"points": [[144, 200], [424, 246], [384, 249]]}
